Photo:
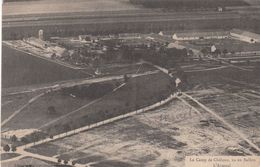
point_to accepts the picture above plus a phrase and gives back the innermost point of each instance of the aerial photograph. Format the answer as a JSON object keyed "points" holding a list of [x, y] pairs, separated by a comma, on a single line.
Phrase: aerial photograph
{"points": [[129, 83]]}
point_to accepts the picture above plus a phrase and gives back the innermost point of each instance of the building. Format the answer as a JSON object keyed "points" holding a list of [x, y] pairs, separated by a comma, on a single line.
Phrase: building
{"points": [[200, 35], [40, 34], [220, 9], [88, 38], [192, 35], [36, 42], [213, 48], [245, 36]]}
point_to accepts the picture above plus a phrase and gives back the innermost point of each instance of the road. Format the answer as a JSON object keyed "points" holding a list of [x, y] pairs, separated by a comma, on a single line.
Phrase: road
{"points": [[229, 64], [21, 109], [76, 82]]}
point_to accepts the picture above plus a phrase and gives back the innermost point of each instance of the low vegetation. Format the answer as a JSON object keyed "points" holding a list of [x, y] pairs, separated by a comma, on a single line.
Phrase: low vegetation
{"points": [[187, 4], [21, 69], [55, 104], [5, 156], [137, 93]]}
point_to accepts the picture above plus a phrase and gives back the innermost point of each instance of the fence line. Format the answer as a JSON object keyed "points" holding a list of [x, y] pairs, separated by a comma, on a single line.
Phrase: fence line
{"points": [[103, 122]]}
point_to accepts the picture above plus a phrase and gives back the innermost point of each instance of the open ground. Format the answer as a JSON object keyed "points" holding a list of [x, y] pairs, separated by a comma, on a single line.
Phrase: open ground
{"points": [[163, 137]]}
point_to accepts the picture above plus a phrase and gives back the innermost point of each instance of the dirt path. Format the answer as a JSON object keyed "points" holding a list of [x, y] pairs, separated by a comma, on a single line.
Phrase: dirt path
{"points": [[208, 69], [85, 106], [94, 101], [20, 109], [229, 64], [75, 82]]}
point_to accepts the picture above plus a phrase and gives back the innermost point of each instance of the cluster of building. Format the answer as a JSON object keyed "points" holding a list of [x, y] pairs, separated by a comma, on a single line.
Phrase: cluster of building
{"points": [[233, 34]]}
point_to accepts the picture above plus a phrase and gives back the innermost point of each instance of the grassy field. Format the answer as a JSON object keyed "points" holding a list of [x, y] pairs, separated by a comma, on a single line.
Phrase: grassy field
{"points": [[230, 44], [12, 103], [234, 95], [164, 137], [55, 6], [208, 77], [5, 156], [20, 69], [128, 69], [39, 112], [137, 93], [48, 149], [253, 2], [188, 4], [154, 139]]}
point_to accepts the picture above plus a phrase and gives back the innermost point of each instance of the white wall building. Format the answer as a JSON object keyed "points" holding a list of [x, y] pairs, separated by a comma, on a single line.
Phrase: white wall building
{"points": [[199, 35], [245, 36]]}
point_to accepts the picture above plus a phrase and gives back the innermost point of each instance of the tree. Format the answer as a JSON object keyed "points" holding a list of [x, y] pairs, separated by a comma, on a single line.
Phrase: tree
{"points": [[225, 51], [24, 140], [13, 148], [65, 162], [126, 78], [6, 148], [217, 52], [190, 52], [204, 51], [13, 138], [59, 160], [73, 163], [53, 56], [51, 136], [51, 110]]}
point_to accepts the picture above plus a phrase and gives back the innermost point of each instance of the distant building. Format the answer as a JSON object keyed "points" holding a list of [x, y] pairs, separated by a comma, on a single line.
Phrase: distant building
{"points": [[40, 33], [245, 36], [88, 38], [36, 42], [200, 35], [191, 35], [220, 9], [213, 48]]}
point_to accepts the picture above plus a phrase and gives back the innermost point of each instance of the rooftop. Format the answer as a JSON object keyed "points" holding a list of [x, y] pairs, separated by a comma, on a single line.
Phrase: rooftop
{"points": [[196, 33]]}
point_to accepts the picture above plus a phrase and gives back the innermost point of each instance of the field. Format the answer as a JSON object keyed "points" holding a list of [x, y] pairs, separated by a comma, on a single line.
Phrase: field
{"points": [[55, 6], [5, 156], [188, 4], [49, 106], [115, 69], [234, 95], [164, 136], [160, 138], [52, 112], [19, 69], [253, 2], [230, 44], [12, 103], [133, 95]]}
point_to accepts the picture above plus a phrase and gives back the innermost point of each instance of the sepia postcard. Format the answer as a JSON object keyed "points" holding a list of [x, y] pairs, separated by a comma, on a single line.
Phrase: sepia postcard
{"points": [[130, 83]]}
